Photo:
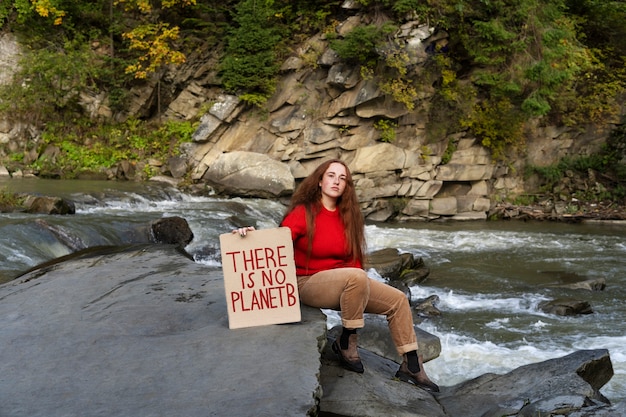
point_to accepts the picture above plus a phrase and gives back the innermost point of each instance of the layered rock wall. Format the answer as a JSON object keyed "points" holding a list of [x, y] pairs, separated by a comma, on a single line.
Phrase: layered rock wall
{"points": [[324, 108]]}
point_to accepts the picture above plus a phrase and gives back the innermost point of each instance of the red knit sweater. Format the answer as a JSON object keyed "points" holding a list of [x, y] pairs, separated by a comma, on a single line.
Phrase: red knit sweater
{"points": [[329, 242]]}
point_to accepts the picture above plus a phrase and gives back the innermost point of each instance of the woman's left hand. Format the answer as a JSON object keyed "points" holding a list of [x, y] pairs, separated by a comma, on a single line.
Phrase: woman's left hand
{"points": [[243, 231]]}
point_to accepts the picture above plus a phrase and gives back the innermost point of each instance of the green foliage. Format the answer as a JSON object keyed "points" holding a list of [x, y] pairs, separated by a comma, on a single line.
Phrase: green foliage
{"points": [[524, 200], [551, 174], [387, 129], [398, 204], [250, 64], [498, 125], [155, 42], [49, 80], [601, 26], [614, 154], [360, 45], [370, 47], [92, 39], [9, 199], [303, 18], [86, 147], [60, 61], [255, 99], [401, 90], [5, 10], [454, 99], [530, 53], [401, 7], [497, 42], [596, 95], [536, 105], [405, 6], [447, 154]]}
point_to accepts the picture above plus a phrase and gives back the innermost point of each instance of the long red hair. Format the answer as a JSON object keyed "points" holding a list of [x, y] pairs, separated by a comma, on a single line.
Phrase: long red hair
{"points": [[309, 195]]}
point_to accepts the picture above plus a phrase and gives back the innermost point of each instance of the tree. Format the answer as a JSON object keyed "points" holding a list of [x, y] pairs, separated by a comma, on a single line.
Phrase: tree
{"points": [[249, 65]]}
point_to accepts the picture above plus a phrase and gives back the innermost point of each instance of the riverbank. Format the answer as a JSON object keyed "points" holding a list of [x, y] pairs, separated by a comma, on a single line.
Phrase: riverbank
{"points": [[576, 212]]}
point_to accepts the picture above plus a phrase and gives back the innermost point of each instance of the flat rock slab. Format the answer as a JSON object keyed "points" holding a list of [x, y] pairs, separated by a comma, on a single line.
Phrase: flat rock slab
{"points": [[144, 332]]}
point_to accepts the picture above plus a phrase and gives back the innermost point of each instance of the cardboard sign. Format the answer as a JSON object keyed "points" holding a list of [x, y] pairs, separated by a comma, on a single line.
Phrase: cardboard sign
{"points": [[260, 278]]}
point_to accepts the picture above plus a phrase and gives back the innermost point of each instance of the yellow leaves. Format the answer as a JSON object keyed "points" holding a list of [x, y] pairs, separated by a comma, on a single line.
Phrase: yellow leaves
{"points": [[45, 8], [172, 3], [144, 6], [448, 77], [449, 86], [366, 72], [154, 40], [399, 60], [402, 91]]}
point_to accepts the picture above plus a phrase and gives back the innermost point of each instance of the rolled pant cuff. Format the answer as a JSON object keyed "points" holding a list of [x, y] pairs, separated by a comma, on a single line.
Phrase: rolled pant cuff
{"points": [[406, 348], [353, 324]]}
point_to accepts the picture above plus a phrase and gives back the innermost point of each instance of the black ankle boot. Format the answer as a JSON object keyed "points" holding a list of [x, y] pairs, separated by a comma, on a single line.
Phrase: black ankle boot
{"points": [[349, 358], [419, 378]]}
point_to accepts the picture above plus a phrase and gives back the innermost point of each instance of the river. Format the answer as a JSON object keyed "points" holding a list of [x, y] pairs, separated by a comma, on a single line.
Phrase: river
{"points": [[490, 276]]}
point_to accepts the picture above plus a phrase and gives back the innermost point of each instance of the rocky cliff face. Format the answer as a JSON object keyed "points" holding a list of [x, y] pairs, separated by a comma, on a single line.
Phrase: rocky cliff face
{"points": [[324, 108]]}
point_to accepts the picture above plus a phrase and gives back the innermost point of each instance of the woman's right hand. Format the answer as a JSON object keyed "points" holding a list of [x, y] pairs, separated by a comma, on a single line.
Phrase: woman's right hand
{"points": [[243, 231]]}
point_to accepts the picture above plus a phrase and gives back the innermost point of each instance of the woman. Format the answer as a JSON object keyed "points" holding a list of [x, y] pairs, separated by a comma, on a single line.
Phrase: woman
{"points": [[328, 234]]}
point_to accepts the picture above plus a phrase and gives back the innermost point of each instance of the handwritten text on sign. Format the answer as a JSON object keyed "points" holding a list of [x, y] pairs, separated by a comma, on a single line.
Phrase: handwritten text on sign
{"points": [[260, 278]]}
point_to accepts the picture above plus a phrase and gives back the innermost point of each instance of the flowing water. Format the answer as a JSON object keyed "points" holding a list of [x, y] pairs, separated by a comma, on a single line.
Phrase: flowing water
{"points": [[489, 276]]}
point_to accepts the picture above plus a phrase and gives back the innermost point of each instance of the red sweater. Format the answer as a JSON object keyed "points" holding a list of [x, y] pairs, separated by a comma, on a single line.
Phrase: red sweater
{"points": [[329, 242]]}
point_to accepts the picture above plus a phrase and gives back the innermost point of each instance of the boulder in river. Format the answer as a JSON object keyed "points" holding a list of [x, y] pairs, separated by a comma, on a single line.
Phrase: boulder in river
{"points": [[48, 205], [172, 230], [566, 307]]}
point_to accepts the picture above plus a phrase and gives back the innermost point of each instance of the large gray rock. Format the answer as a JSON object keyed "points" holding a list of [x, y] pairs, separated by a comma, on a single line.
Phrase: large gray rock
{"points": [[569, 383], [374, 393], [343, 75], [144, 332], [250, 174], [382, 157]]}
